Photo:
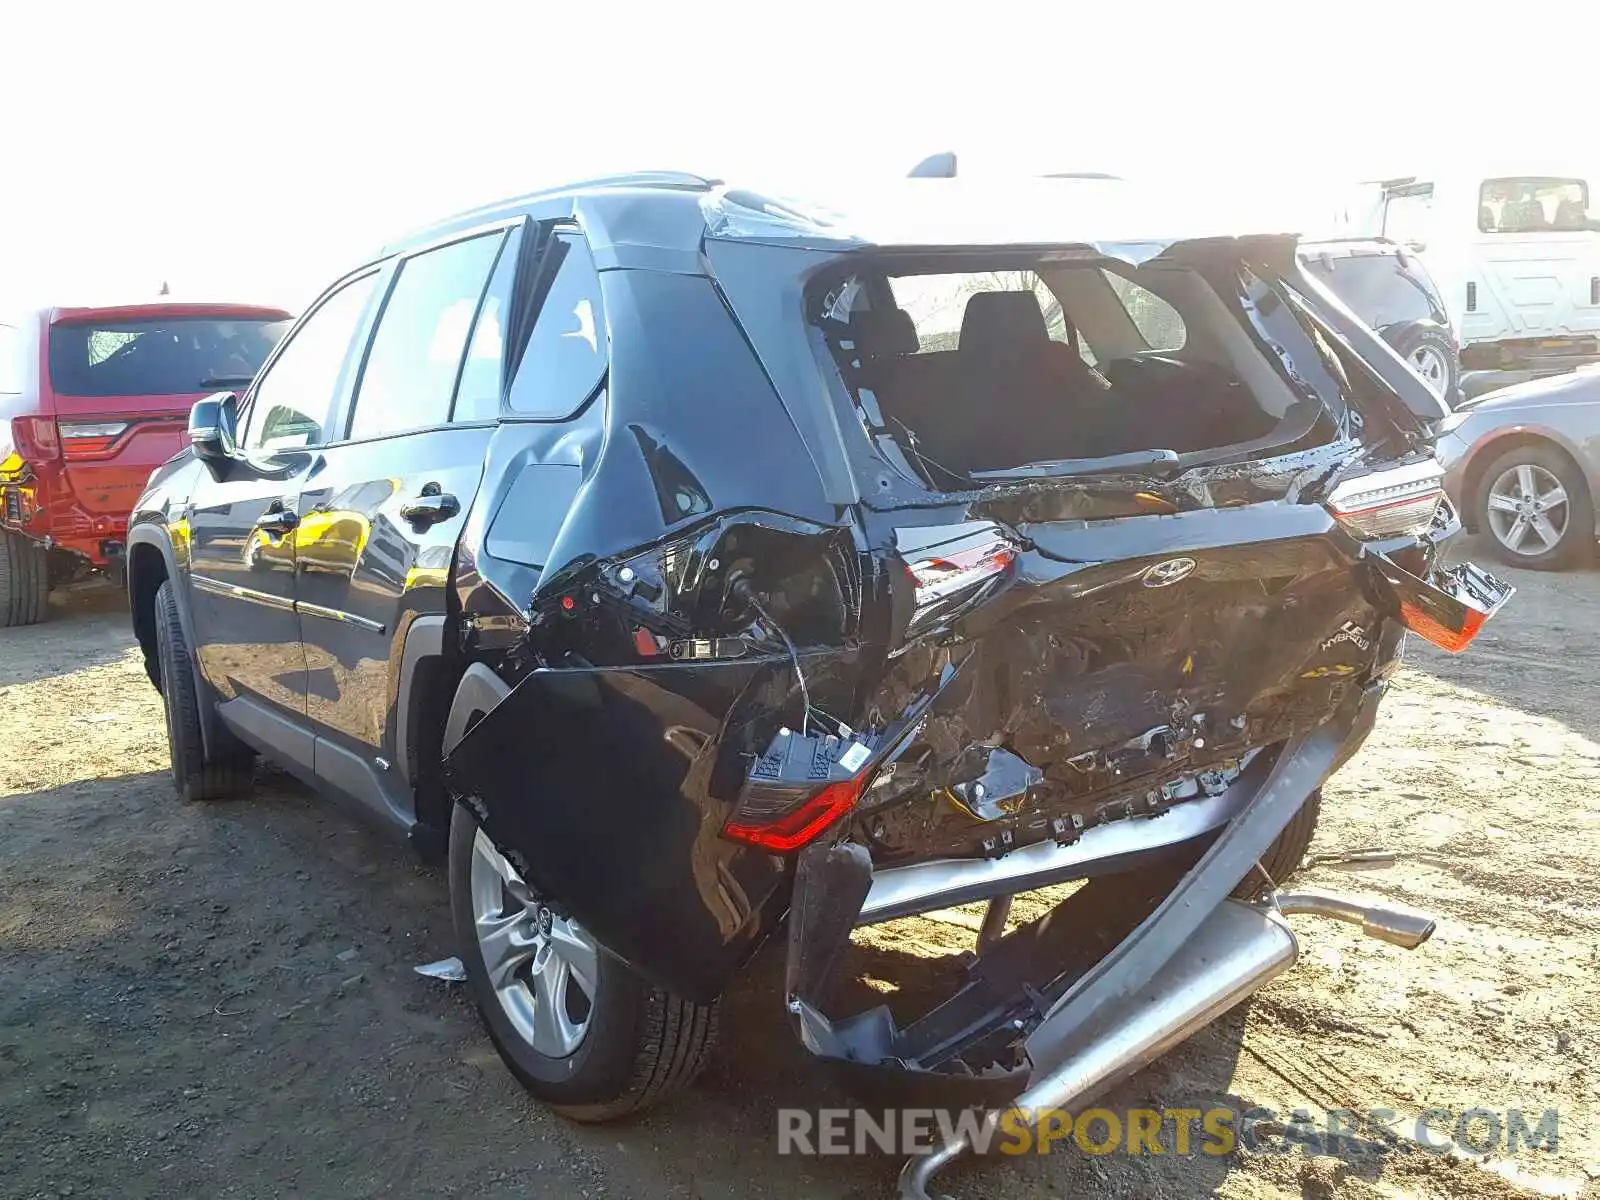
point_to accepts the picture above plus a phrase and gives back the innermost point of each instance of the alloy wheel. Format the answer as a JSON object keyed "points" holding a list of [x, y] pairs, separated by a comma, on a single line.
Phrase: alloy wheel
{"points": [[1527, 509], [541, 965], [1429, 363]]}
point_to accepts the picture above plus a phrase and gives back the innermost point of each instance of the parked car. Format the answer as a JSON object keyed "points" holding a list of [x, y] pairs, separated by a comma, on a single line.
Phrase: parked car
{"points": [[716, 602], [91, 400], [1388, 287], [1523, 464], [1516, 252]]}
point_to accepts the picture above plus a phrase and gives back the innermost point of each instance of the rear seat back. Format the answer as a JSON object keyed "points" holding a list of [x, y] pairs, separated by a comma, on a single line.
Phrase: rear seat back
{"points": [[1006, 395]]}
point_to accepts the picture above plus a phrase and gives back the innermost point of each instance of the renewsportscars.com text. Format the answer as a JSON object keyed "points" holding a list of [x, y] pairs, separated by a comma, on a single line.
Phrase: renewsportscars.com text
{"points": [[1343, 1132]]}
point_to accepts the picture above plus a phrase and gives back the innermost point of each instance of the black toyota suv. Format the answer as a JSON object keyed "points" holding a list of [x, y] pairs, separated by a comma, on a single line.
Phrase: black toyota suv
{"points": [[691, 566]]}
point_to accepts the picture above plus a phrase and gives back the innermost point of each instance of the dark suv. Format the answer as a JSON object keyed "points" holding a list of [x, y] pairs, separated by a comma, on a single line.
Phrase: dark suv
{"points": [[691, 566], [1387, 286]]}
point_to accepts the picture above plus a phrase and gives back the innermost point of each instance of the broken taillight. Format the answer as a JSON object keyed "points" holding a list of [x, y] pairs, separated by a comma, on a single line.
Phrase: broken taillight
{"points": [[1449, 607], [799, 826], [803, 784], [948, 565], [1399, 502]]}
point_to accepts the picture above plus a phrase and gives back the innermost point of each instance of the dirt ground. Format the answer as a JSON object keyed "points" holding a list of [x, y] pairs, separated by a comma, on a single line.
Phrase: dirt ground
{"points": [[218, 1000]]}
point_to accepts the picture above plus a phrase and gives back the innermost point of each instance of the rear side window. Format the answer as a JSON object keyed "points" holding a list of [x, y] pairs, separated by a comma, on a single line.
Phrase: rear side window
{"points": [[482, 374], [293, 398], [567, 349], [1157, 321], [170, 357], [410, 374]]}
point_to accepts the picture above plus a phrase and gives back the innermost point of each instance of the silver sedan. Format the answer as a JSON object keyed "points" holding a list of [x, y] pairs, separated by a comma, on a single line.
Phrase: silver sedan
{"points": [[1523, 466]]}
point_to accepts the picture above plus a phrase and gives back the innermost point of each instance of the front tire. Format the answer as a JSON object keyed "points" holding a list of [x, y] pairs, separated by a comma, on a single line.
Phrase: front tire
{"points": [[196, 775], [578, 1028], [1535, 506], [24, 581]]}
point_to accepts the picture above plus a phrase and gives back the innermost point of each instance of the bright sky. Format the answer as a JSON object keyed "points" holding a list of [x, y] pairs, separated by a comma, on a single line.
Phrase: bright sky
{"points": [[253, 152]]}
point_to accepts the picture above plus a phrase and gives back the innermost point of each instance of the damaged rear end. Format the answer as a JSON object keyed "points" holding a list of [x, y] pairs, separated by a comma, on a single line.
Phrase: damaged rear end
{"points": [[1129, 536]]}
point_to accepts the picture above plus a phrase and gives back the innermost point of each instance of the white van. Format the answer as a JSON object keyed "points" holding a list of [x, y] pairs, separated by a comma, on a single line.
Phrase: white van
{"points": [[1516, 256]]}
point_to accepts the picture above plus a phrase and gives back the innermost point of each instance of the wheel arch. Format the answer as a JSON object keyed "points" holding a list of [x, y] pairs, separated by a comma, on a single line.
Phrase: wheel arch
{"points": [[1472, 476], [151, 562]]}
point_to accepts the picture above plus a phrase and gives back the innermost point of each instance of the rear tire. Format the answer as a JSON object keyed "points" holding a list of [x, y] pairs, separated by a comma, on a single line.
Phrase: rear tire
{"points": [[639, 1043], [1284, 856], [1429, 352], [24, 581], [196, 775]]}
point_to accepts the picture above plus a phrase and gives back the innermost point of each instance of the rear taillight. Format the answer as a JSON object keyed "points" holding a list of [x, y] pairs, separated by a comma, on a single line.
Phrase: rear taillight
{"points": [[1399, 502], [947, 572], [34, 438], [80, 439], [1449, 607], [799, 787], [800, 825]]}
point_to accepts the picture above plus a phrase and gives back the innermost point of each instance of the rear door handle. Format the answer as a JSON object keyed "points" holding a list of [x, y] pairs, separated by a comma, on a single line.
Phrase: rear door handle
{"points": [[277, 520], [431, 507]]}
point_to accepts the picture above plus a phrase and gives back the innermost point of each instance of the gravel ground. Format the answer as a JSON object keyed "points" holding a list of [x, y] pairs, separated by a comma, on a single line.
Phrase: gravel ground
{"points": [[218, 1000]]}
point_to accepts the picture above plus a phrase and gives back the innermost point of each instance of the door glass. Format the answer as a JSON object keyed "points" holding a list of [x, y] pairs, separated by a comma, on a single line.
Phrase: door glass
{"points": [[478, 393], [1406, 215], [411, 369], [292, 399], [1157, 321], [567, 349]]}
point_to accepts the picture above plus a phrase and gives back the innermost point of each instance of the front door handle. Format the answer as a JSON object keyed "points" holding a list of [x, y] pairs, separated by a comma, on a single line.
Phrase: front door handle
{"points": [[278, 520], [431, 507]]}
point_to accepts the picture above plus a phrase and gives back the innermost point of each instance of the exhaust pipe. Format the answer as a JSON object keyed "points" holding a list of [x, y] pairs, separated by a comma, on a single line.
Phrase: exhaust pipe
{"points": [[1238, 950], [1394, 924]]}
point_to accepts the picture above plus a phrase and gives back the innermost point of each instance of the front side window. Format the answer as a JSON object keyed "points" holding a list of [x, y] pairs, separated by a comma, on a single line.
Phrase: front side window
{"points": [[292, 400], [1534, 204], [411, 370], [567, 350], [165, 357]]}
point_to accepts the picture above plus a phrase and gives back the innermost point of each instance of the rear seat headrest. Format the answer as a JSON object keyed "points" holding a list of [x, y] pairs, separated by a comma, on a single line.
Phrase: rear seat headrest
{"points": [[881, 332], [1002, 322]]}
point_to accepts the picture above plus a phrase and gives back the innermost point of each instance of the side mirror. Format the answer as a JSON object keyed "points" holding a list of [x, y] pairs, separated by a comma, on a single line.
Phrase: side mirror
{"points": [[213, 425]]}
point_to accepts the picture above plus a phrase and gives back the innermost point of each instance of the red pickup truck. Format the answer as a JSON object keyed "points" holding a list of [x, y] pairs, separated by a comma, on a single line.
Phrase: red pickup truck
{"points": [[91, 401]]}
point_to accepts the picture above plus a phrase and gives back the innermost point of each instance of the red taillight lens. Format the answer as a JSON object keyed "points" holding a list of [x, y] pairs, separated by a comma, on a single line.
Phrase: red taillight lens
{"points": [[34, 438], [1400, 502], [801, 825], [1430, 629], [1449, 607]]}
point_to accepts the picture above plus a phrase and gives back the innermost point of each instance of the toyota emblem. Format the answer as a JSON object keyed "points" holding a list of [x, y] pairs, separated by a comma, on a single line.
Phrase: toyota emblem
{"points": [[1164, 574]]}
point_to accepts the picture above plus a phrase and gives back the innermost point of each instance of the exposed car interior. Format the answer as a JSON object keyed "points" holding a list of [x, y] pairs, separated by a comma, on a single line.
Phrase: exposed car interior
{"points": [[977, 371]]}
